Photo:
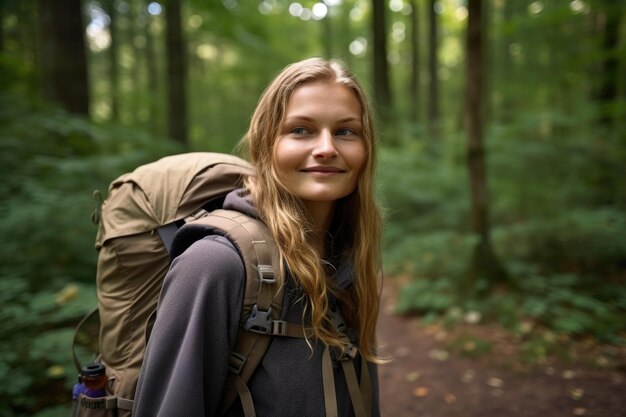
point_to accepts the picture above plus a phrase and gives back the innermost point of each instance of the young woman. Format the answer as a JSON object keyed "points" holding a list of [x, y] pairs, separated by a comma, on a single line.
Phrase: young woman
{"points": [[312, 143]]}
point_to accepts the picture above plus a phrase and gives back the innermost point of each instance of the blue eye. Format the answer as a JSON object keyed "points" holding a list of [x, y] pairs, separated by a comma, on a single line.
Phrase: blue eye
{"points": [[299, 131], [345, 132]]}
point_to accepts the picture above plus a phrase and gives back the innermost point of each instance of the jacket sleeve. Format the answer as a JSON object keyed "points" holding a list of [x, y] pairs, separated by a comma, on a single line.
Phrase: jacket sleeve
{"points": [[186, 361]]}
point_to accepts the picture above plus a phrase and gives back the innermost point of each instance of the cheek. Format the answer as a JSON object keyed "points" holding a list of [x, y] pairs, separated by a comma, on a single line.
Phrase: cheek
{"points": [[284, 157], [357, 158]]}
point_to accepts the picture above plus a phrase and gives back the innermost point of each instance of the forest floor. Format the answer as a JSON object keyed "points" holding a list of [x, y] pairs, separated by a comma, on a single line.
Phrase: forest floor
{"points": [[430, 377]]}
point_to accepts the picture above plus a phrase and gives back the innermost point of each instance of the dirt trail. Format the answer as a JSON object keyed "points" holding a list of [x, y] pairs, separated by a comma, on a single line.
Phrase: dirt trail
{"points": [[425, 380]]}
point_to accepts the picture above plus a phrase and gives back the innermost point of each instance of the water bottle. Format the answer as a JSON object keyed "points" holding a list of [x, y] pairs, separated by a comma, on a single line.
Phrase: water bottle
{"points": [[92, 381]]}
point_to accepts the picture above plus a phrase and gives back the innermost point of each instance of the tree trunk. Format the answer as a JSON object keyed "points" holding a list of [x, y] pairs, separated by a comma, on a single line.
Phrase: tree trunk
{"points": [[176, 73], [153, 78], [608, 89], [484, 264], [63, 60], [433, 68], [382, 90], [113, 61], [327, 36], [1, 27], [346, 36], [414, 84]]}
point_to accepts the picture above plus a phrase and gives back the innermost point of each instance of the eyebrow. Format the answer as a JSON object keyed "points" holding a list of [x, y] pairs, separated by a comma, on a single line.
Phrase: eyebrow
{"points": [[346, 119]]}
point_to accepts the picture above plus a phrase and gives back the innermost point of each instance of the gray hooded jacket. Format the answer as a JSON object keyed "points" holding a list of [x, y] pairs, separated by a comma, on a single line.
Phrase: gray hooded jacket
{"points": [[186, 361]]}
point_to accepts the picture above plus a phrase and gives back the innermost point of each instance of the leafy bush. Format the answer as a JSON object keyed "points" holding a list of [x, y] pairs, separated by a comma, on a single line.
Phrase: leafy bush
{"points": [[51, 163]]}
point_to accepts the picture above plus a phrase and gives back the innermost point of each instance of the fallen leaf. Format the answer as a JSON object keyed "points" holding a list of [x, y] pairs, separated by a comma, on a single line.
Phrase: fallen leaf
{"points": [[469, 346], [568, 374], [576, 393], [412, 376], [495, 382], [421, 392], [450, 398], [439, 354], [472, 317], [603, 361], [468, 376]]}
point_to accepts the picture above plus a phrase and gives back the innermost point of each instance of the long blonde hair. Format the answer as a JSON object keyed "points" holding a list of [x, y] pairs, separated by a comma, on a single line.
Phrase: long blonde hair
{"points": [[285, 215]]}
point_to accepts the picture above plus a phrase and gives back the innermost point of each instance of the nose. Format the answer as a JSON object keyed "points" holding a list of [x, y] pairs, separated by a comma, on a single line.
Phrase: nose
{"points": [[325, 146]]}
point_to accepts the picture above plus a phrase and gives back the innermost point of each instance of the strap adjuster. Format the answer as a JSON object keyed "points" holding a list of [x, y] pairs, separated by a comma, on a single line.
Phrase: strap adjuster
{"points": [[279, 327], [266, 274], [349, 353], [236, 362]]}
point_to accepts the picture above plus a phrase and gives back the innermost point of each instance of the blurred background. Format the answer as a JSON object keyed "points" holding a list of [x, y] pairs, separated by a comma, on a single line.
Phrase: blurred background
{"points": [[503, 148]]}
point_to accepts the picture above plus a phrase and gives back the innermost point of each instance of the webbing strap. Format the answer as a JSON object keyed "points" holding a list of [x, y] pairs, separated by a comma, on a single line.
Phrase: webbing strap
{"points": [[353, 388], [124, 404], [266, 275], [366, 386], [245, 396], [80, 324], [328, 380]]}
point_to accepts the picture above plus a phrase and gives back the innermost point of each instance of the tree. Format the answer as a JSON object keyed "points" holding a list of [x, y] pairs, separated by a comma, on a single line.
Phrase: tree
{"points": [[63, 59], [176, 73], [153, 77], [382, 89], [109, 6], [414, 84], [433, 69], [484, 263], [608, 89]]}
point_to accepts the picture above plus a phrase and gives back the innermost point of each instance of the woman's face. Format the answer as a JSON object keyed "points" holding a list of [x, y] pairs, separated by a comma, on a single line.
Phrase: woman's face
{"points": [[320, 150]]}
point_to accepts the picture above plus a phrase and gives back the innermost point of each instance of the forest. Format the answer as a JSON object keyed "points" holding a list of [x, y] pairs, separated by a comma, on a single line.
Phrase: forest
{"points": [[501, 124]]}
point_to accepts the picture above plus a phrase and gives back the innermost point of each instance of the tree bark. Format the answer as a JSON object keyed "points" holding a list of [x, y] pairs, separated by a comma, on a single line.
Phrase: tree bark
{"points": [[414, 83], [63, 59], [484, 265], [153, 77], [608, 89], [382, 90], [327, 36], [113, 61], [176, 73], [433, 69]]}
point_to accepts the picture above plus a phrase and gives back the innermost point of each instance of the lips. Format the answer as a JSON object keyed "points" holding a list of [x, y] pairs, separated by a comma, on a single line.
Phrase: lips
{"points": [[323, 169]]}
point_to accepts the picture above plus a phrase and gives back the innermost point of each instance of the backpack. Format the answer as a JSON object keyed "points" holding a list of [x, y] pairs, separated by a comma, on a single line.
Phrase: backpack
{"points": [[136, 227]]}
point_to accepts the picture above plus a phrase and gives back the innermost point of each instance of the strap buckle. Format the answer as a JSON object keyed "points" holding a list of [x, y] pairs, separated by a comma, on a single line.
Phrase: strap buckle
{"points": [[259, 321], [349, 353]]}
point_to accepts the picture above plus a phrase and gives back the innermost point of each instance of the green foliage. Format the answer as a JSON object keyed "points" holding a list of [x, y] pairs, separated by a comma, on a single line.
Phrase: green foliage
{"points": [[558, 225], [51, 163]]}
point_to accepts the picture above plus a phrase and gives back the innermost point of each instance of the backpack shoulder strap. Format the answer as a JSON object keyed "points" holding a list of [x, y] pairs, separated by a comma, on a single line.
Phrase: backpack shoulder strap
{"points": [[263, 295]]}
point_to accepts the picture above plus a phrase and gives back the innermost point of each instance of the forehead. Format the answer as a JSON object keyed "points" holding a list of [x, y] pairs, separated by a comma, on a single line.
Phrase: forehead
{"points": [[324, 98]]}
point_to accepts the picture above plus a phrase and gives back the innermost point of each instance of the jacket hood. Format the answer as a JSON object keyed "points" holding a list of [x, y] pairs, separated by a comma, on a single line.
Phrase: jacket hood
{"points": [[241, 201]]}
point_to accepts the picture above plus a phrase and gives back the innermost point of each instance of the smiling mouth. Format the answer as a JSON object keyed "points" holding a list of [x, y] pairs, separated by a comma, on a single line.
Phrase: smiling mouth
{"points": [[323, 170]]}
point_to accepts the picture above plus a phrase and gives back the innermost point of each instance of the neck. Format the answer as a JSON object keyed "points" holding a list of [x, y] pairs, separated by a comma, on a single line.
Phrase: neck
{"points": [[321, 214]]}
